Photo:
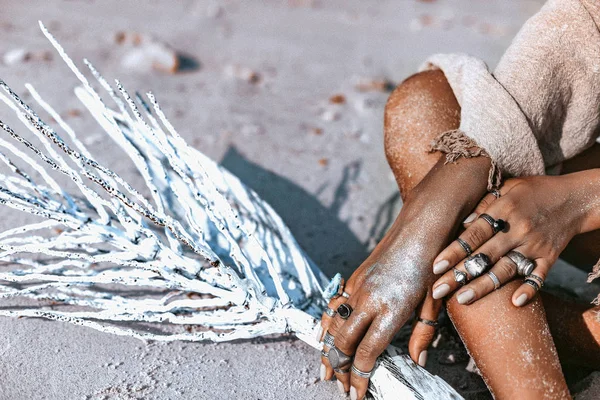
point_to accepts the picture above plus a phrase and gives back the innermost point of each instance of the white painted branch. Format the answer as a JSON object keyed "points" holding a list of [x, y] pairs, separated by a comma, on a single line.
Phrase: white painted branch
{"points": [[204, 250]]}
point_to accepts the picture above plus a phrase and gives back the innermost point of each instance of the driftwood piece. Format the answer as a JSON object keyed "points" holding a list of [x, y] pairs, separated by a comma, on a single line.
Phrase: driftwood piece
{"points": [[205, 252]]}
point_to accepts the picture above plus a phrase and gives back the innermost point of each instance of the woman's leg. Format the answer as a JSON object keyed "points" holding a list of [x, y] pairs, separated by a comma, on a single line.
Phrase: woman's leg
{"points": [[513, 347]]}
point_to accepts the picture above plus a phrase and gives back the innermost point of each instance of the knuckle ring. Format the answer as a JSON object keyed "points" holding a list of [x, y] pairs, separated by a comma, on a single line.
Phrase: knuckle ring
{"points": [[466, 247], [338, 359], [324, 354], [328, 340], [330, 311], [477, 264], [460, 277], [525, 266], [427, 322], [496, 224], [344, 310], [346, 295], [495, 193], [494, 279], [360, 373]]}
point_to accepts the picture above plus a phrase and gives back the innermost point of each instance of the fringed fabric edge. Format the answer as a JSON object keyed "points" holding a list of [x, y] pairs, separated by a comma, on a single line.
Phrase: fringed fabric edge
{"points": [[594, 275], [456, 144]]}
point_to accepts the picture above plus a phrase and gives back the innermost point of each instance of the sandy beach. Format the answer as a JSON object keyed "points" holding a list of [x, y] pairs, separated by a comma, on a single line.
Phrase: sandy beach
{"points": [[288, 96]]}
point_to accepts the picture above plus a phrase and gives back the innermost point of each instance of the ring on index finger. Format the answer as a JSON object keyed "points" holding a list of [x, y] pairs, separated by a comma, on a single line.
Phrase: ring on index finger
{"points": [[496, 224]]}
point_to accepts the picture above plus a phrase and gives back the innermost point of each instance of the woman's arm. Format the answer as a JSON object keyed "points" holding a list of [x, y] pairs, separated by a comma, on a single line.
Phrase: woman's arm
{"points": [[390, 284]]}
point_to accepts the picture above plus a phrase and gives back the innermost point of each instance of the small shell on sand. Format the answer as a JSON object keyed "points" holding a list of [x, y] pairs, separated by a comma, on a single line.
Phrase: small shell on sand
{"points": [[147, 53], [16, 56], [243, 73]]}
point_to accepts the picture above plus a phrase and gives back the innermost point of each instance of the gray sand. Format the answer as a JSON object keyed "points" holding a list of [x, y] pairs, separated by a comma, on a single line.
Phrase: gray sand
{"points": [[320, 165]]}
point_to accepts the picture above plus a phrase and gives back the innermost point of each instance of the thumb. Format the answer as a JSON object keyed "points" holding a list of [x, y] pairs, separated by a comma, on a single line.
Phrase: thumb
{"points": [[424, 329]]}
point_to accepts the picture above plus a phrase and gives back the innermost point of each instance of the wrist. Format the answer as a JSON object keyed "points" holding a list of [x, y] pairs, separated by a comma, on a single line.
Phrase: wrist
{"points": [[450, 190], [585, 194]]}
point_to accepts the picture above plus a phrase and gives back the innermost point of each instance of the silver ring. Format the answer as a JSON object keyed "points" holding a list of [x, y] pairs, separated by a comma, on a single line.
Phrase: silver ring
{"points": [[477, 264], [495, 193], [341, 371], [324, 354], [460, 277], [328, 339], [525, 266], [488, 219], [539, 280], [360, 373], [344, 310], [465, 246], [338, 359], [346, 295], [494, 279], [330, 311], [427, 321], [532, 283]]}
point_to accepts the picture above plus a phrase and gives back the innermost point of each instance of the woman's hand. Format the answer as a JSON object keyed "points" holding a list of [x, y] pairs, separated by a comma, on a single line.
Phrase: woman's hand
{"points": [[393, 282], [542, 215]]}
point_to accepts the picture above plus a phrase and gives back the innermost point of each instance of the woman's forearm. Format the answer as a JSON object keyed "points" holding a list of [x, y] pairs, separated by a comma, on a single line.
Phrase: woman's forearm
{"points": [[431, 215]]}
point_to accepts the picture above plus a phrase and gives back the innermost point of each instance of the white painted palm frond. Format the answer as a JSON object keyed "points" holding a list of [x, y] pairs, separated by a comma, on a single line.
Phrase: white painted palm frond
{"points": [[190, 254]]}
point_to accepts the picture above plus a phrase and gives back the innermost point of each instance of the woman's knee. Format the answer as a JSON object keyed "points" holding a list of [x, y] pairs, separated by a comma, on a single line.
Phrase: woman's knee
{"points": [[417, 111]]}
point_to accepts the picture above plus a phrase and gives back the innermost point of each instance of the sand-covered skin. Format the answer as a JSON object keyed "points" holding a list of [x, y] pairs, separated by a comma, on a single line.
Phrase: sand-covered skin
{"points": [[289, 96]]}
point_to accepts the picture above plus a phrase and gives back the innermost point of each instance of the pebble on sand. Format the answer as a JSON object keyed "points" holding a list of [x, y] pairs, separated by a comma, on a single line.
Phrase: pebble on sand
{"points": [[147, 53]]}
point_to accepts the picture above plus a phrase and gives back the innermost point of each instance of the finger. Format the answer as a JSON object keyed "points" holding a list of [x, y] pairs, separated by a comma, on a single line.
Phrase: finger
{"points": [[378, 337], [487, 200], [422, 334], [503, 271], [347, 338], [474, 236], [334, 303], [327, 372], [532, 285]]}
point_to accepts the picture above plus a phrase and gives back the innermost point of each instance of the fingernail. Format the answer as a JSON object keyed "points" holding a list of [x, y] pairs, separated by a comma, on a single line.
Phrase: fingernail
{"points": [[440, 266], [340, 386], [423, 358], [319, 333], [521, 300], [470, 218], [465, 297], [353, 393], [322, 372], [441, 291]]}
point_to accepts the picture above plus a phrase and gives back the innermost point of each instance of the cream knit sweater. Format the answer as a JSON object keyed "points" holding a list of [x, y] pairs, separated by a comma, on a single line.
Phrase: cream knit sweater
{"points": [[541, 105]]}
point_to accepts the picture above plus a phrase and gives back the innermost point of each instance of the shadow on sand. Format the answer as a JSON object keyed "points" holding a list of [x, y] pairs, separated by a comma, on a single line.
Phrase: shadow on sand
{"points": [[326, 238]]}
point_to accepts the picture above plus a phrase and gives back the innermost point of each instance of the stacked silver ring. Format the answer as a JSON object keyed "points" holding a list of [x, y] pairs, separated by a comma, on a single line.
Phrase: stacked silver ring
{"points": [[328, 339], [465, 246], [525, 266], [494, 279], [534, 281], [360, 373]]}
